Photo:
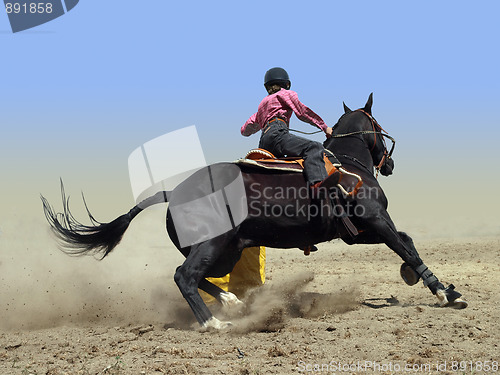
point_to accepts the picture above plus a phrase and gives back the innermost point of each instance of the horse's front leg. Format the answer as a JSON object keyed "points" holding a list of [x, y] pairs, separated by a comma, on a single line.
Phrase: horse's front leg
{"points": [[413, 268], [411, 274]]}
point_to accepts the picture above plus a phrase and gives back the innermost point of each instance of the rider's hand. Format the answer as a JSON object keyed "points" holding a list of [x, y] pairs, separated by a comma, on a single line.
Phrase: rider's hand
{"points": [[328, 132]]}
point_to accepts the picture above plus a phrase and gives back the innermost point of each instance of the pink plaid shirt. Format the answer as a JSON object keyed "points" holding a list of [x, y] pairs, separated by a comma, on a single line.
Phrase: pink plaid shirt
{"points": [[280, 104]]}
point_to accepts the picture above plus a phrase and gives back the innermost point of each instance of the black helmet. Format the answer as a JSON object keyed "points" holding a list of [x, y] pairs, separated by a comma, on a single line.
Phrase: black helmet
{"points": [[277, 76]]}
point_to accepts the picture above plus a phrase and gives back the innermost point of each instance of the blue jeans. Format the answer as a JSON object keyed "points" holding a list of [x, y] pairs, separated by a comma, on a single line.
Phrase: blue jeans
{"points": [[277, 139]]}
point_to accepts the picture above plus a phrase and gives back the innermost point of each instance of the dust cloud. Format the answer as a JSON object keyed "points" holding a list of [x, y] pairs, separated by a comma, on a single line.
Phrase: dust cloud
{"points": [[41, 287], [271, 306]]}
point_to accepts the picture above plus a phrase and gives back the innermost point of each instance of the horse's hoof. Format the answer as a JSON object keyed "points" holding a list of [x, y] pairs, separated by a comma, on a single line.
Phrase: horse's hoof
{"points": [[458, 303], [449, 297], [229, 300], [214, 323], [408, 274]]}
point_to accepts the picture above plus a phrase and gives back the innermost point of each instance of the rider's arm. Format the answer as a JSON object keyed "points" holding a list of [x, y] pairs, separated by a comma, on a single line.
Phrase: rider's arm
{"points": [[251, 126], [303, 112]]}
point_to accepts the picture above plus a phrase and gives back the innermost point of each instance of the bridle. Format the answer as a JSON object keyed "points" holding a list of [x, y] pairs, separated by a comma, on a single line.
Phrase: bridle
{"points": [[377, 130]]}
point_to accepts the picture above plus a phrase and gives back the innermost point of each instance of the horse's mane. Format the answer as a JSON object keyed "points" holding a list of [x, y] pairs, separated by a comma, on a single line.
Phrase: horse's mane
{"points": [[339, 120]]}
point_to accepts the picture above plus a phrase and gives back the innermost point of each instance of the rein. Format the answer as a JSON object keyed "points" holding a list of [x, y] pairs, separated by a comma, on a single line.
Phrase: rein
{"points": [[352, 133], [375, 125], [377, 129], [308, 133]]}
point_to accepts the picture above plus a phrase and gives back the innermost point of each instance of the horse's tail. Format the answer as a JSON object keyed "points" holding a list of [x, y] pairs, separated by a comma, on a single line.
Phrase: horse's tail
{"points": [[99, 238]]}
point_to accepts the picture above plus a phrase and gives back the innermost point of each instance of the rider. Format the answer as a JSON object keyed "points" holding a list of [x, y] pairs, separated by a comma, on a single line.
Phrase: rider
{"points": [[273, 116]]}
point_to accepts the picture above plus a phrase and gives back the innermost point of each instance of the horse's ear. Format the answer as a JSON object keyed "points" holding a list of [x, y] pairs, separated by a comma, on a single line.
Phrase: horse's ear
{"points": [[346, 108], [369, 103]]}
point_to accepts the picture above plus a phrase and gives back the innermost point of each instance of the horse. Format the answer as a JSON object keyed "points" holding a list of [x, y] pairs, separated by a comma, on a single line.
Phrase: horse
{"points": [[248, 206]]}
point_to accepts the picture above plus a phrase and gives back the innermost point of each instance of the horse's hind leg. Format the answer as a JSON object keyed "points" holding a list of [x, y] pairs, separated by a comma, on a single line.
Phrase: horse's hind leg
{"points": [[189, 275]]}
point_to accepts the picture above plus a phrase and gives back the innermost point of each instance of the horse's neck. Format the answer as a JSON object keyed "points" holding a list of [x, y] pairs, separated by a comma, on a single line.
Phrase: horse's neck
{"points": [[353, 146]]}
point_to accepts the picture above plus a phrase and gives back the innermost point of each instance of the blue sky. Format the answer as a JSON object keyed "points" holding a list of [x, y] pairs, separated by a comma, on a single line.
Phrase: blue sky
{"points": [[80, 93]]}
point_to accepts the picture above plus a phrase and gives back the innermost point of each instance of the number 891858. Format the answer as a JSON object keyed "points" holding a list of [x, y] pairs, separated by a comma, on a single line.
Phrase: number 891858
{"points": [[31, 8]]}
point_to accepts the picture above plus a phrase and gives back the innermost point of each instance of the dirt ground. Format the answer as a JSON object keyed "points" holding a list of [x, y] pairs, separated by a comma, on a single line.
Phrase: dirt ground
{"points": [[344, 309]]}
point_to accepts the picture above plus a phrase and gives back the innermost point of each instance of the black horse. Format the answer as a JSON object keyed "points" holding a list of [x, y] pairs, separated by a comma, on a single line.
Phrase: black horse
{"points": [[266, 207]]}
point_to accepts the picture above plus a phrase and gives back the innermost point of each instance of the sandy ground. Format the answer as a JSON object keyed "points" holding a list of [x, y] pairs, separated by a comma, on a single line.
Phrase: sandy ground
{"points": [[344, 309]]}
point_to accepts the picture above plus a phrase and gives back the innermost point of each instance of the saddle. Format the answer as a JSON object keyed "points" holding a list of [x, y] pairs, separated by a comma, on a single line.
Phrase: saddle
{"points": [[261, 158]]}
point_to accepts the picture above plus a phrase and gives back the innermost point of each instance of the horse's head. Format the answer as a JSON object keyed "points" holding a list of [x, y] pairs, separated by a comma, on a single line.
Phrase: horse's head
{"points": [[357, 134]]}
